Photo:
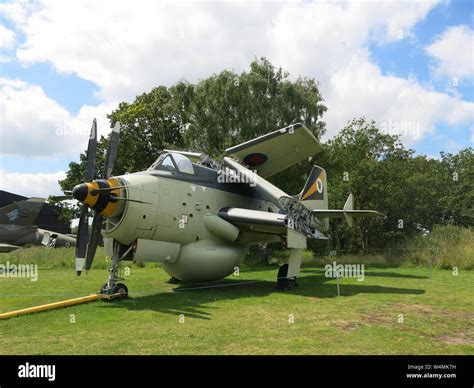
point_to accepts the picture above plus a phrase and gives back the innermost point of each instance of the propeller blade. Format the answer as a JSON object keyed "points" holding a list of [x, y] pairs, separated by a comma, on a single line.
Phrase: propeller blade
{"points": [[91, 151], [112, 151], [93, 241], [81, 242]]}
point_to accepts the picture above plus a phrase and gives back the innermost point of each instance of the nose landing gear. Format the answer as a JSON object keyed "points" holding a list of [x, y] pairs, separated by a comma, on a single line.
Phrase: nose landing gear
{"points": [[111, 287], [118, 288]]}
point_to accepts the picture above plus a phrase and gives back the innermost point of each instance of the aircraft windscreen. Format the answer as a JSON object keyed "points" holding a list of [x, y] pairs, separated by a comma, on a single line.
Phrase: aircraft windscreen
{"points": [[167, 162], [183, 163], [173, 160]]}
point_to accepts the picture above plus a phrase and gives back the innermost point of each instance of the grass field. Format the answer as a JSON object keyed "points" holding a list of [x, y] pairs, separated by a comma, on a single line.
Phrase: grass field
{"points": [[253, 318]]}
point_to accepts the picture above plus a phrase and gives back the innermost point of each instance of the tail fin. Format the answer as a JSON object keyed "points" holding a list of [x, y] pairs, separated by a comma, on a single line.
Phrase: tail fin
{"points": [[315, 193], [314, 197]]}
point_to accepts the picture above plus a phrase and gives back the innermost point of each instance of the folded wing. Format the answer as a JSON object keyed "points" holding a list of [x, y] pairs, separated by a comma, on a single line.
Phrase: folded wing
{"points": [[276, 151]]}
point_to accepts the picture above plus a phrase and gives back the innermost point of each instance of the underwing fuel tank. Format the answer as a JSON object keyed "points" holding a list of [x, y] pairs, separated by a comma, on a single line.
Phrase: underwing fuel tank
{"points": [[206, 260], [155, 251]]}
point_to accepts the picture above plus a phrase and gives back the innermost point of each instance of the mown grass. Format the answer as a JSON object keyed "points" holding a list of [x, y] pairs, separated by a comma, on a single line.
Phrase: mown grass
{"points": [[239, 318]]}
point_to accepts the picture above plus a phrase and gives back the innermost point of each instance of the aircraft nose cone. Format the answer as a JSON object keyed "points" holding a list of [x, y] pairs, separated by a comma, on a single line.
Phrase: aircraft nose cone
{"points": [[80, 192]]}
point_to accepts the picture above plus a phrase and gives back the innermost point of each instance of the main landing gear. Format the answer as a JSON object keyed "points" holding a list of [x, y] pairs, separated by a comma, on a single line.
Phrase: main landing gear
{"points": [[284, 282]]}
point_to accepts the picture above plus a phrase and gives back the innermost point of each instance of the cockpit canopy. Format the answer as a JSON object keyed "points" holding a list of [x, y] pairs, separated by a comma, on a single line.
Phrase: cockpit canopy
{"points": [[173, 161]]}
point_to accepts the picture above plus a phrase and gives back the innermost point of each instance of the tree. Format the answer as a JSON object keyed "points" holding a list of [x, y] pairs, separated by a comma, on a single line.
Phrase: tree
{"points": [[216, 113], [230, 108], [458, 184], [370, 164]]}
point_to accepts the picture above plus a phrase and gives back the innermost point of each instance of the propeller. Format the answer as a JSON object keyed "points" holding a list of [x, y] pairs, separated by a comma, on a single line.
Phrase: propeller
{"points": [[103, 190], [83, 227], [110, 157]]}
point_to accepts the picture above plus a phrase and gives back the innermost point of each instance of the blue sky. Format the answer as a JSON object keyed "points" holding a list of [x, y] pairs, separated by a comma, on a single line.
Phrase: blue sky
{"points": [[71, 91], [407, 58], [58, 63]]}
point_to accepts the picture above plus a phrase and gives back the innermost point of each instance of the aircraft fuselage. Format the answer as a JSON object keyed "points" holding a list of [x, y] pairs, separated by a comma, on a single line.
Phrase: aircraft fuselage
{"points": [[175, 227]]}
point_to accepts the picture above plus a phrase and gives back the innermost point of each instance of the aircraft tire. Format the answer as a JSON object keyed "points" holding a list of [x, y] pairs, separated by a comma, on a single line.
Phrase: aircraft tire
{"points": [[284, 283]]}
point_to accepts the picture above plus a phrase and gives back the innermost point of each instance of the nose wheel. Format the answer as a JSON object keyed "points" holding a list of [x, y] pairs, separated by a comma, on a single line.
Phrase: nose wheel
{"points": [[118, 288]]}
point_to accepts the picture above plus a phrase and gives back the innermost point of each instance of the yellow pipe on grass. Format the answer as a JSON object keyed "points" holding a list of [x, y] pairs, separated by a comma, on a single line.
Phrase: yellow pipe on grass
{"points": [[51, 306]]}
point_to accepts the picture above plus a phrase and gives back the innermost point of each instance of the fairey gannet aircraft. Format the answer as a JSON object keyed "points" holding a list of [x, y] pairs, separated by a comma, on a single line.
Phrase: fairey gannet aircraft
{"points": [[198, 216]]}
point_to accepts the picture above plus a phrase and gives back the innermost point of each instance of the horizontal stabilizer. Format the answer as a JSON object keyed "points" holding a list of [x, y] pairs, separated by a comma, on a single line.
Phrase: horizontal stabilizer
{"points": [[330, 213], [347, 212]]}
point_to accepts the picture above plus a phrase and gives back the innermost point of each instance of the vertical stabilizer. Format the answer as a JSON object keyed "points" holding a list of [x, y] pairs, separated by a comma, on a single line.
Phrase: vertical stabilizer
{"points": [[314, 194]]}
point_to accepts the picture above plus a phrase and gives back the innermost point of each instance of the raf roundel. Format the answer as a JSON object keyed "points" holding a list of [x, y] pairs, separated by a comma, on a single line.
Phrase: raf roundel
{"points": [[319, 184], [255, 159]]}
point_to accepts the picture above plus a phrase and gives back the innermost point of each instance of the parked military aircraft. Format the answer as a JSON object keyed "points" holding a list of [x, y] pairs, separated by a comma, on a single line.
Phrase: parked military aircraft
{"points": [[18, 227], [198, 216]]}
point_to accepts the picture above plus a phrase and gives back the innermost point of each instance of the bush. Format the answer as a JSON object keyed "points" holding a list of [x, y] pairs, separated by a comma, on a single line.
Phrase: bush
{"points": [[446, 245]]}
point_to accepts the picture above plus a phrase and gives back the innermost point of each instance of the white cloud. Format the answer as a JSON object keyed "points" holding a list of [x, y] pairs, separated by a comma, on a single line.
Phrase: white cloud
{"points": [[152, 43], [35, 126], [7, 38], [31, 185], [16, 11], [29, 119], [454, 52], [329, 43], [398, 105], [139, 46], [32, 124]]}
